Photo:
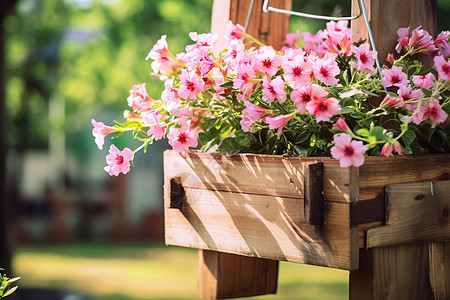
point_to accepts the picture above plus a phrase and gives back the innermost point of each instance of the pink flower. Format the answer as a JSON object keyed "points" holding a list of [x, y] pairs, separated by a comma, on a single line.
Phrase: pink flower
{"points": [[245, 72], [253, 112], [206, 64], [163, 59], [435, 112], [235, 31], [139, 99], [390, 101], [348, 152], [291, 41], [394, 77], [278, 121], [424, 81], [341, 125], [100, 131], [273, 89], [297, 70], [443, 67], [325, 70], [306, 93], [268, 61], [312, 43], [246, 124], [419, 39], [388, 148], [182, 138], [170, 96], [406, 93], [324, 109], [155, 129], [235, 48], [365, 57], [442, 43], [190, 85], [118, 161]]}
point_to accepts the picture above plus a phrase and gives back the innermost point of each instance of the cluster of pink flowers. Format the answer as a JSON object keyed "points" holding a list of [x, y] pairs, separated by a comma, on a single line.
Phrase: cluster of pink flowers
{"points": [[315, 96]]}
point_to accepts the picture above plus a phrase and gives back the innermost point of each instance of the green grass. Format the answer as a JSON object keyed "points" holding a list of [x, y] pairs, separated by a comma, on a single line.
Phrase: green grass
{"points": [[143, 271]]}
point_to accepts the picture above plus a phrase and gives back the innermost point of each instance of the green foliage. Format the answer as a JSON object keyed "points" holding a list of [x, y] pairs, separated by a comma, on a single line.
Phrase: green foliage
{"points": [[5, 285]]}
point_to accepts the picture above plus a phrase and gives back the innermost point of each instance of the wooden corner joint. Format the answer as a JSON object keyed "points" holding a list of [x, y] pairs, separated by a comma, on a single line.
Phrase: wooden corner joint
{"points": [[177, 193], [367, 211], [313, 208]]}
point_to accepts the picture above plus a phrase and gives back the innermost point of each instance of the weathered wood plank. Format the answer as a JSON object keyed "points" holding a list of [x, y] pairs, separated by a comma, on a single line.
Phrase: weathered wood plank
{"points": [[397, 272], [386, 16], [439, 260], [224, 275], [417, 212], [259, 174], [262, 226], [379, 171]]}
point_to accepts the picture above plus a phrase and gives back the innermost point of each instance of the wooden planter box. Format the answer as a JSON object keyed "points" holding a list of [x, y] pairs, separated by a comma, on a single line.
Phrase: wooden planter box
{"points": [[303, 210]]}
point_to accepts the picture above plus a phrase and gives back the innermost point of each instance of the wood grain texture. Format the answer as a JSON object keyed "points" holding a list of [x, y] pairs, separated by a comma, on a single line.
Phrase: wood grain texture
{"points": [[259, 174], [262, 226], [224, 275], [398, 272], [386, 17], [417, 212], [439, 259]]}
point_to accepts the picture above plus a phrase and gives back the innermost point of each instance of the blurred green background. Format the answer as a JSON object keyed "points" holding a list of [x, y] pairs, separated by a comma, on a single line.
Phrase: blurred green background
{"points": [[75, 228]]}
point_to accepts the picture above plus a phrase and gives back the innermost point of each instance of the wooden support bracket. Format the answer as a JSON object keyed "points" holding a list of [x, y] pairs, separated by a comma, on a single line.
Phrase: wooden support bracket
{"points": [[314, 194]]}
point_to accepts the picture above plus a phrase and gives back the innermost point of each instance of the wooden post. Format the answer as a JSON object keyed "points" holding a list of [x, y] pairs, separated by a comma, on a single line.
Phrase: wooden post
{"points": [[386, 16], [223, 275]]}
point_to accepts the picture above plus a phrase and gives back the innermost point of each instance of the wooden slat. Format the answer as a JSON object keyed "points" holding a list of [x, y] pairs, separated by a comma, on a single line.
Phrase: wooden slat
{"points": [[260, 174], [439, 260], [386, 16], [396, 272], [314, 194], [379, 171], [224, 275], [262, 226], [417, 212]]}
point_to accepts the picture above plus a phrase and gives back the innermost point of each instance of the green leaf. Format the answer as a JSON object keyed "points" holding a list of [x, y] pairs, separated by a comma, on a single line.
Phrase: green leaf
{"points": [[446, 107], [426, 92], [372, 141], [357, 115], [118, 134], [378, 132], [408, 137], [229, 146], [303, 136], [312, 140], [346, 110], [302, 151], [362, 132]]}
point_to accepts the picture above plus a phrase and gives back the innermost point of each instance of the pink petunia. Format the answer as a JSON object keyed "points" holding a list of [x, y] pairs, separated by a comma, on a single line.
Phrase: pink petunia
{"points": [[394, 77], [390, 101], [139, 99], [190, 85], [163, 59], [348, 152], [278, 122], [245, 72], [406, 93], [253, 112], [324, 109], [418, 39], [170, 96], [442, 43], [156, 129], [268, 61], [306, 93], [273, 90], [118, 161], [100, 131], [235, 48], [297, 70], [291, 41], [235, 31], [246, 124], [326, 69], [435, 112], [182, 138], [365, 58], [341, 125], [389, 148], [424, 81], [442, 67]]}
